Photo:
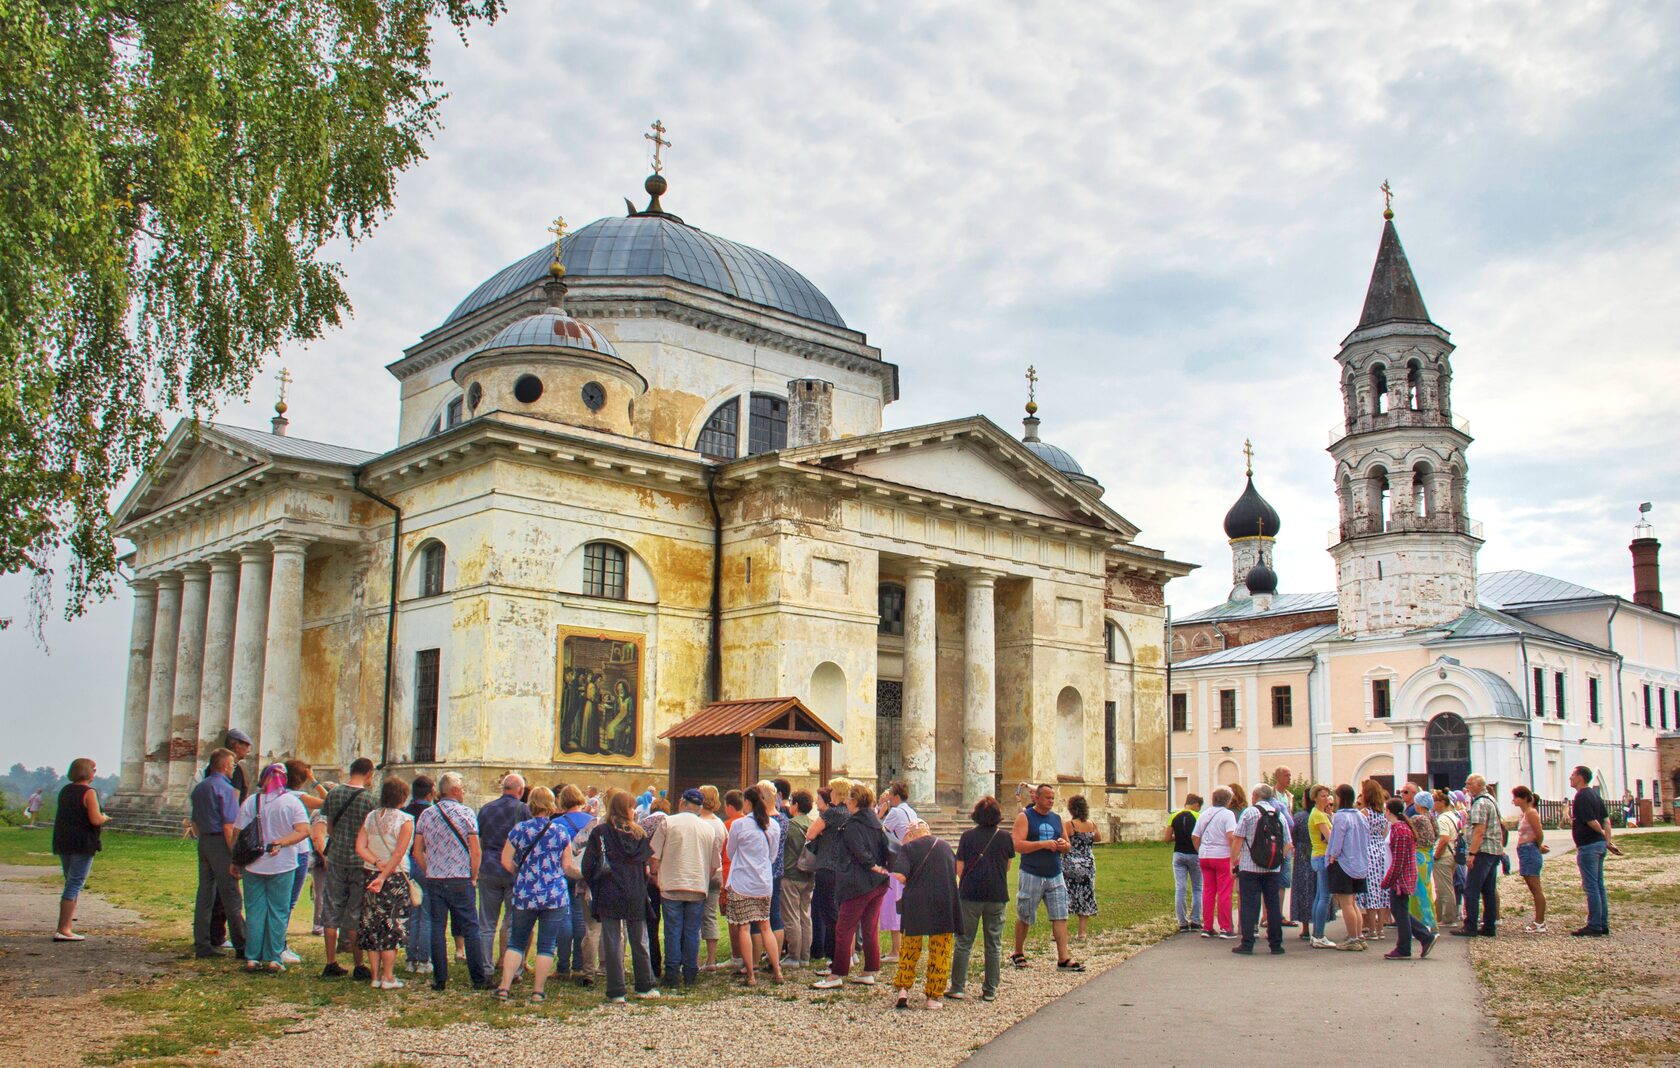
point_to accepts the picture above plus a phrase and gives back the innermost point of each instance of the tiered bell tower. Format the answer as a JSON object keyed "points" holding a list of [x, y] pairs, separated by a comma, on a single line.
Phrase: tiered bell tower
{"points": [[1406, 557]]}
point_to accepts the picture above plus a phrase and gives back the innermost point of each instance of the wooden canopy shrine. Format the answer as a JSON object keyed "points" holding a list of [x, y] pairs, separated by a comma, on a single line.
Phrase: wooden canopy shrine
{"points": [[720, 743]]}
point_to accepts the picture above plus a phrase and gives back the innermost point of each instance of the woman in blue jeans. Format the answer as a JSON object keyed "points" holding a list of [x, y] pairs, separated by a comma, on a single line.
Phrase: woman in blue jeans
{"points": [[1531, 847], [541, 899], [574, 820], [76, 840], [1318, 835]]}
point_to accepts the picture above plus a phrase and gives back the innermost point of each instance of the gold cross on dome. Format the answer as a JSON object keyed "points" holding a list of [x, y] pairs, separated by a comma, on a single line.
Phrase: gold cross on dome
{"points": [[285, 379], [558, 229], [1248, 456], [1032, 383], [1388, 197], [659, 142]]}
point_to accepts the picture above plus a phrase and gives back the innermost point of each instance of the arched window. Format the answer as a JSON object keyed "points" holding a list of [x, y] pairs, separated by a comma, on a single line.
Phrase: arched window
{"points": [[1379, 390], [768, 429], [1423, 490], [720, 437], [1414, 384], [1379, 500], [604, 571], [1447, 749], [890, 600], [1111, 643], [431, 569]]}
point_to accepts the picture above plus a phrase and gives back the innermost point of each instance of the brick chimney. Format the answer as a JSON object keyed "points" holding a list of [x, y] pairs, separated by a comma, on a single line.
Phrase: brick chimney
{"points": [[810, 412], [1647, 585]]}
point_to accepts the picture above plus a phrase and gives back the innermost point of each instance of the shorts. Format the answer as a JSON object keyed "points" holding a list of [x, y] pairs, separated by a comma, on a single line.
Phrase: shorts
{"points": [[1052, 890], [75, 867], [709, 915], [345, 884], [1529, 859], [1341, 883], [738, 909]]}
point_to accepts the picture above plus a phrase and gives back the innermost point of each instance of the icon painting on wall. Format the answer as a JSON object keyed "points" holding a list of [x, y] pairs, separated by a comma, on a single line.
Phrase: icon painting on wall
{"points": [[599, 687]]}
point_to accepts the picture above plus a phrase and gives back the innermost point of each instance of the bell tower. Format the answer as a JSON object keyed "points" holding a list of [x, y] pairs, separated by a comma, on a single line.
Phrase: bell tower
{"points": [[1406, 554]]}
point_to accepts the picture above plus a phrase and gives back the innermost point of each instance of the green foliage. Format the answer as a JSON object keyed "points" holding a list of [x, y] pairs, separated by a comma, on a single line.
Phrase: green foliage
{"points": [[171, 173]]}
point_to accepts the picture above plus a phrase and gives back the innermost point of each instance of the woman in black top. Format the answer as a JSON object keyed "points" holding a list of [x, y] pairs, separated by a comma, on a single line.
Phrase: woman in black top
{"points": [[615, 867], [76, 840], [983, 855], [928, 911], [860, 884], [823, 836]]}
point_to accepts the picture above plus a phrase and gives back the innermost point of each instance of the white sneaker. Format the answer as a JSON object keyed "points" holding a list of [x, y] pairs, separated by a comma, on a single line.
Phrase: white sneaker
{"points": [[392, 984], [955, 995], [864, 979], [615, 1001], [654, 993], [828, 982], [226, 945], [1322, 943], [288, 957]]}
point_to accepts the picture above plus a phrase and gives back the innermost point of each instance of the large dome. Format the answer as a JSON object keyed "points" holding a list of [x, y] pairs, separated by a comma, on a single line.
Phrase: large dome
{"points": [[651, 246], [1251, 516]]}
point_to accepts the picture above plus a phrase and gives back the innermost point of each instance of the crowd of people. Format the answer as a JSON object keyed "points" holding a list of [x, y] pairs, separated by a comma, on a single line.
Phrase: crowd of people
{"points": [[575, 884], [1420, 863]]}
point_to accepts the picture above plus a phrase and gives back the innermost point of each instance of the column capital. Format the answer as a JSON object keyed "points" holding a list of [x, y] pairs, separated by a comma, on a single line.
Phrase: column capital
{"points": [[195, 571], [224, 563], [288, 543], [253, 550], [981, 577], [144, 587], [922, 568], [169, 580]]}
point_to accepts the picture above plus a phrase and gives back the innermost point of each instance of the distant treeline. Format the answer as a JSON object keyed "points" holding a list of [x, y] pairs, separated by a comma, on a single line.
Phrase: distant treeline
{"points": [[19, 782]]}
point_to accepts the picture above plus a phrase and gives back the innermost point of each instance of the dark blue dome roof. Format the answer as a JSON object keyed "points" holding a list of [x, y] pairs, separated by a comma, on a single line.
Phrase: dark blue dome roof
{"points": [[1260, 579], [1251, 516], [651, 246]]}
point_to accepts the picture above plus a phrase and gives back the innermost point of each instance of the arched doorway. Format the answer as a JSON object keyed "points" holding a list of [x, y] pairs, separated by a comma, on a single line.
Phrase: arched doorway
{"points": [[1447, 745]]}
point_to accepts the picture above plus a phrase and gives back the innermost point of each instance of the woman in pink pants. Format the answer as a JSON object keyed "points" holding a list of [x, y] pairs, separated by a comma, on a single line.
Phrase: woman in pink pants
{"points": [[1212, 836]]}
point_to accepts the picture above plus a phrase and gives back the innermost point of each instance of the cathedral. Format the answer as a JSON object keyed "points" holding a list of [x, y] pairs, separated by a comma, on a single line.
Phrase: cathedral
{"points": [[641, 481], [1418, 667]]}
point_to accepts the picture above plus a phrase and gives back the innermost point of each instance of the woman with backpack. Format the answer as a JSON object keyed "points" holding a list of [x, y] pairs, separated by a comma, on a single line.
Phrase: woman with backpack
{"points": [[754, 841], [534, 852], [1447, 844], [280, 823], [798, 883], [860, 884], [982, 865], [382, 843], [615, 867]]}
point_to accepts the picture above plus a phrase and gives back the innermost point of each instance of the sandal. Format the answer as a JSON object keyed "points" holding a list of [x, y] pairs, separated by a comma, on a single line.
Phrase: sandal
{"points": [[1018, 959], [1069, 965], [503, 993], [538, 997]]}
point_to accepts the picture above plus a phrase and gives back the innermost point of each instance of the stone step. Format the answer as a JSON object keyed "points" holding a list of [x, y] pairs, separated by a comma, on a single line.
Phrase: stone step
{"points": [[145, 816]]}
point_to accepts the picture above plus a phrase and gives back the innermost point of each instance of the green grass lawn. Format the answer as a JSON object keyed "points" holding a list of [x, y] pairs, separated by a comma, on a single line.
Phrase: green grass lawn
{"points": [[205, 1005]]}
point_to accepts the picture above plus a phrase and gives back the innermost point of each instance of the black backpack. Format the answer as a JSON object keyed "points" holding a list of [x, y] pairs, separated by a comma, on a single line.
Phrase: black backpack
{"points": [[249, 847], [1267, 848]]}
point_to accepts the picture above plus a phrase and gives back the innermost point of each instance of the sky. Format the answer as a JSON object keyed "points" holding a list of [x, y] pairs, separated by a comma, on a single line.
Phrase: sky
{"points": [[1170, 210]]}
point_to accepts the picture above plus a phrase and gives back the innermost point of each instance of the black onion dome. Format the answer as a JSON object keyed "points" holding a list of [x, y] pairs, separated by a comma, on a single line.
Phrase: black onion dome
{"points": [[1251, 516], [1261, 579]]}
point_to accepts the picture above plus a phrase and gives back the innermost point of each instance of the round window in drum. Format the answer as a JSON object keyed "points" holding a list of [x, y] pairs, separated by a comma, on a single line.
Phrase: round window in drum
{"points": [[594, 396], [474, 394], [528, 389]]}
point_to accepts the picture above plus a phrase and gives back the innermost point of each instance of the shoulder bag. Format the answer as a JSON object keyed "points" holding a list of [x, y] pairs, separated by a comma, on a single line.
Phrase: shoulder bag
{"points": [[249, 847]]}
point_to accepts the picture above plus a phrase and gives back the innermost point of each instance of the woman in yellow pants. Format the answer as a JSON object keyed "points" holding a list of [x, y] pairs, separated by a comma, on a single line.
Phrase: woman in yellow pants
{"points": [[928, 911]]}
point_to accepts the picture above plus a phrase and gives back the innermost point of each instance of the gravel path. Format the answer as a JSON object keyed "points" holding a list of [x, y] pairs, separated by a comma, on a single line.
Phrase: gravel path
{"points": [[1563, 1001], [782, 1025]]}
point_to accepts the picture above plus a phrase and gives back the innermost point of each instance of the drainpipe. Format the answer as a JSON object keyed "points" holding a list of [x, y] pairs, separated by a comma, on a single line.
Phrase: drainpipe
{"points": [[390, 615], [1621, 721], [1528, 704], [1312, 730], [1168, 659], [714, 652]]}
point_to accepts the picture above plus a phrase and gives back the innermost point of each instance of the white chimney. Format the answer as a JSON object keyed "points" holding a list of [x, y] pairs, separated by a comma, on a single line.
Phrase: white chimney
{"points": [[810, 412]]}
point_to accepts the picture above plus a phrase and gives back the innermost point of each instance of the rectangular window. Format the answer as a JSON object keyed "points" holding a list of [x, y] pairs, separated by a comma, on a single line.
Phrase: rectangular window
{"points": [[452, 416], [1656, 792], [425, 705], [1539, 690], [1639, 784], [1647, 704], [1283, 706], [1227, 710], [1662, 707], [603, 571], [1111, 742], [768, 430], [1558, 688], [889, 600], [1180, 711], [1379, 698], [1592, 699], [718, 437]]}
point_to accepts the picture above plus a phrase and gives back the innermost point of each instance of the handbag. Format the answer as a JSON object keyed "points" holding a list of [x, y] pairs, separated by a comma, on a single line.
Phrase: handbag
{"points": [[249, 847]]}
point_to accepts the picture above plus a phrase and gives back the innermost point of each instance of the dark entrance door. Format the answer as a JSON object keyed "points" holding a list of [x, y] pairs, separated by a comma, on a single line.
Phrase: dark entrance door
{"points": [[889, 739], [1447, 740]]}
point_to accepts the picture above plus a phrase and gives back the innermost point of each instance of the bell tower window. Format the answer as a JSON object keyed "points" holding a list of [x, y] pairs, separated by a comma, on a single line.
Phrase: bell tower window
{"points": [[1379, 390], [1414, 384]]}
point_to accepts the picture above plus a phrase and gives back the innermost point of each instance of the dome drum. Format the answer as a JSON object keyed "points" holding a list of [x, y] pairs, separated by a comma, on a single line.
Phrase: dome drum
{"points": [[563, 386]]}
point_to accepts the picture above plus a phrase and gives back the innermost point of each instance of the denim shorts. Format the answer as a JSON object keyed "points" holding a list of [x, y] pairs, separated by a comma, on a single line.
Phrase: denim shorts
{"points": [[1031, 889], [1529, 859], [549, 924]]}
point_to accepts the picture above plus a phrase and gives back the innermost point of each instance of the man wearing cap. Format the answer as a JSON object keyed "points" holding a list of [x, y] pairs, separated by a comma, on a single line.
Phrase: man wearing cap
{"points": [[686, 858], [214, 810], [239, 744]]}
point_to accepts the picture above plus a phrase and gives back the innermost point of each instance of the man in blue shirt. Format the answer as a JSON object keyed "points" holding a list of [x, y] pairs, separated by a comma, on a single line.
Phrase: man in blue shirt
{"points": [[495, 883], [215, 808], [1039, 840]]}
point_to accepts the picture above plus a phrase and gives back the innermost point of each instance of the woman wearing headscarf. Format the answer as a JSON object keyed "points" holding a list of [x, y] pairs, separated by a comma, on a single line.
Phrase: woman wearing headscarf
{"points": [[1424, 832], [268, 879], [927, 870]]}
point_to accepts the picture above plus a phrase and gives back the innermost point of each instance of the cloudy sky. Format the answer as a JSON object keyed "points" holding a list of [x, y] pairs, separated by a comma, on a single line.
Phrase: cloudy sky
{"points": [[1172, 214]]}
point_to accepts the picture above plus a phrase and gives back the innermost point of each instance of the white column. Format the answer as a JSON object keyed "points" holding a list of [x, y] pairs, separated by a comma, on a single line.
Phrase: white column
{"points": [[920, 684], [283, 655], [979, 688], [160, 689], [139, 683], [250, 635], [189, 678], [218, 656]]}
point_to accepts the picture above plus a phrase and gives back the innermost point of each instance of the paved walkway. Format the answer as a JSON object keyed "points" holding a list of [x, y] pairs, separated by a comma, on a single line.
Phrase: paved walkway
{"points": [[1189, 1001]]}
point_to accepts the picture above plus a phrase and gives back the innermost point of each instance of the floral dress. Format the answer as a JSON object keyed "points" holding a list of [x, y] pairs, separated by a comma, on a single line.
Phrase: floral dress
{"points": [[1079, 871], [1376, 897], [1302, 881]]}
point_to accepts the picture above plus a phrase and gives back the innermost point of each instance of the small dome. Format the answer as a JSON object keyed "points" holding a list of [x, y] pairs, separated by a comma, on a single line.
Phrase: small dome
{"points": [[550, 329], [1061, 460], [1251, 516], [1261, 580]]}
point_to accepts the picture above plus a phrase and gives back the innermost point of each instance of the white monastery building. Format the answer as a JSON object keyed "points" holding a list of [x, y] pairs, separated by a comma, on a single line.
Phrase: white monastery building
{"points": [[1417, 666], [640, 471]]}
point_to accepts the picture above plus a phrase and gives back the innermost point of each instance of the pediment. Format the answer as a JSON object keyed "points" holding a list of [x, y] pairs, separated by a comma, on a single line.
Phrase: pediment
{"points": [[205, 467], [962, 468]]}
